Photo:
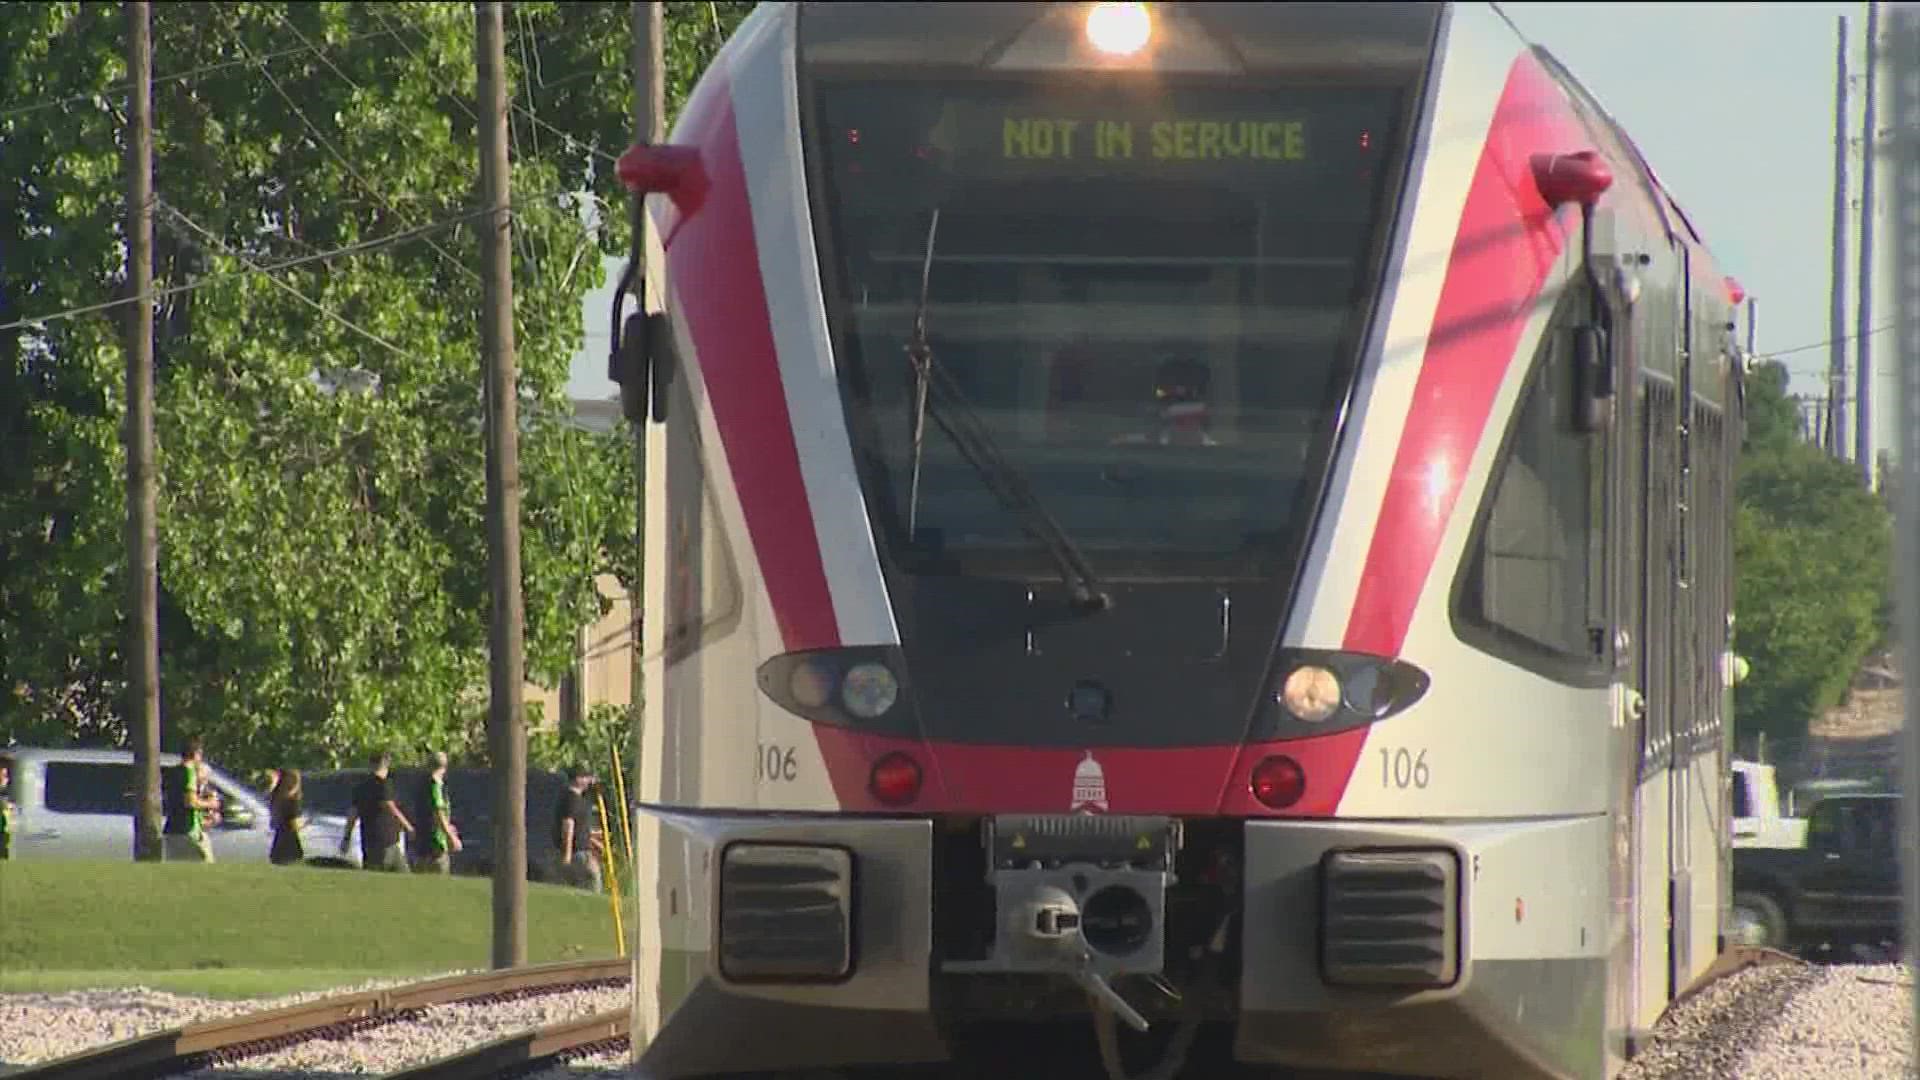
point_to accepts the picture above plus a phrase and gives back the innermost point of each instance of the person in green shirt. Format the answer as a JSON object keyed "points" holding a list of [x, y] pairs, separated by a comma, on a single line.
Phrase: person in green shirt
{"points": [[185, 834], [436, 812], [6, 807]]}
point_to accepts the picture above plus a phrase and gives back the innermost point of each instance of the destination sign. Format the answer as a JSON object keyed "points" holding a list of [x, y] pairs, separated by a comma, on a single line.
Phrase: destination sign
{"points": [[1027, 138]]}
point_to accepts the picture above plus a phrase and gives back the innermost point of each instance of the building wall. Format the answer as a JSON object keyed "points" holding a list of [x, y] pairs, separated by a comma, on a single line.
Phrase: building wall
{"points": [[605, 670]]}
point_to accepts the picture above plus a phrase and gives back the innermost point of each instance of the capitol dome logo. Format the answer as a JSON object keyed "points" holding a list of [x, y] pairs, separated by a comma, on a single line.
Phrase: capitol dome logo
{"points": [[1089, 785]]}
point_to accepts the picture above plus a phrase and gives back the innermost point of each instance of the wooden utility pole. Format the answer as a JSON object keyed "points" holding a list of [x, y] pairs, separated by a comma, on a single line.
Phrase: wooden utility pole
{"points": [[1863, 335], [506, 722], [1902, 48], [143, 531], [649, 119], [1835, 442]]}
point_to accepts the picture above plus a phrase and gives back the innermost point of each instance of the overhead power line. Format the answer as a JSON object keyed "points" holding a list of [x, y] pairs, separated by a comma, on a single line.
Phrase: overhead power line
{"points": [[1812, 345], [190, 73], [358, 248]]}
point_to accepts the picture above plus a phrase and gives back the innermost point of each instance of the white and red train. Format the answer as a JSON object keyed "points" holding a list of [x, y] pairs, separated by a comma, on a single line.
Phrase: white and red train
{"points": [[1209, 517]]}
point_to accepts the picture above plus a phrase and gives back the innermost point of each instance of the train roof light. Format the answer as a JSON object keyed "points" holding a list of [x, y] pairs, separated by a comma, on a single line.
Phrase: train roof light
{"points": [[1119, 29], [1579, 177]]}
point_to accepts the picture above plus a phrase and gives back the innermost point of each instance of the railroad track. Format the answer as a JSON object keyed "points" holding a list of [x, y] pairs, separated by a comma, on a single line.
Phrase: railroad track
{"points": [[529, 1051], [213, 1042]]}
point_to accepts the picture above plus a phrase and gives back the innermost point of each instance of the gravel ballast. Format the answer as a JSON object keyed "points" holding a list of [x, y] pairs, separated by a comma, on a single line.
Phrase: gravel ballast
{"points": [[1770, 1023]]}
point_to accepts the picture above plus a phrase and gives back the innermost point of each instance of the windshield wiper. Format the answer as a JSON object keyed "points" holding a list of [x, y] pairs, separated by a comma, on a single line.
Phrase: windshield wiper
{"points": [[957, 418]]}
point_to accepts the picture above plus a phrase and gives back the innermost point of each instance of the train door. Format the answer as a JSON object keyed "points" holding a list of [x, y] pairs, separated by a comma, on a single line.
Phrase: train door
{"points": [[1679, 696], [1626, 502], [1652, 888]]}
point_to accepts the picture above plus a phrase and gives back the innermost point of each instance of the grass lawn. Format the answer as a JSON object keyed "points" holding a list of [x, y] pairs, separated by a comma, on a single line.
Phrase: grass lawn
{"points": [[248, 930]]}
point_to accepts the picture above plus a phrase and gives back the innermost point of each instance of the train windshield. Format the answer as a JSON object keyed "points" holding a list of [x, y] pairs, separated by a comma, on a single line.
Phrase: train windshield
{"points": [[1152, 300]]}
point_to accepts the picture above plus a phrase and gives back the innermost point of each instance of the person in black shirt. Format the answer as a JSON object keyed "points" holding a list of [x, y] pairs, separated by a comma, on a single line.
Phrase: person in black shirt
{"points": [[381, 821], [574, 834]]}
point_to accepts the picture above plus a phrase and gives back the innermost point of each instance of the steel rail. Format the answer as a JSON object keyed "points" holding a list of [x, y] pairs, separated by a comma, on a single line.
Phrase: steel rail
{"points": [[194, 1046], [529, 1051]]}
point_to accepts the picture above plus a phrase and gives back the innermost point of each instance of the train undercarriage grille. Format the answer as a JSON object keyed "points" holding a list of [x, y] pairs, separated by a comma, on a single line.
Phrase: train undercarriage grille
{"points": [[786, 912], [1390, 918]]}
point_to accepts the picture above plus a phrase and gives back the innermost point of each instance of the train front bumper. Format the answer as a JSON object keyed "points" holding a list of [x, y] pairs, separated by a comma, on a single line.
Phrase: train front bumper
{"points": [[1360, 946]]}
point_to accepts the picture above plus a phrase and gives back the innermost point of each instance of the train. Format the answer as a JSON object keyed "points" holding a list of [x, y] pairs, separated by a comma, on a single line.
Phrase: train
{"points": [[1204, 526]]}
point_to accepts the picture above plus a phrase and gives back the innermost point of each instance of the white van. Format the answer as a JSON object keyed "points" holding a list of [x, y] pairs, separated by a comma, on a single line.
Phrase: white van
{"points": [[79, 804]]}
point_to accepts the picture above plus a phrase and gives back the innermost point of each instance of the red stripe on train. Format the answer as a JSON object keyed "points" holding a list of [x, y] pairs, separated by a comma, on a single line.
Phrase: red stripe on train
{"points": [[1507, 243], [715, 266]]}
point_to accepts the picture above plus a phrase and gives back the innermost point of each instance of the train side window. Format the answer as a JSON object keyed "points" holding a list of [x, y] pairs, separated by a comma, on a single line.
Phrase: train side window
{"points": [[1532, 586]]}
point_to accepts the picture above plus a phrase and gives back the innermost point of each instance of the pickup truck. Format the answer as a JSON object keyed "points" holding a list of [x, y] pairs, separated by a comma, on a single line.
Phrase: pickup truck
{"points": [[1841, 889]]}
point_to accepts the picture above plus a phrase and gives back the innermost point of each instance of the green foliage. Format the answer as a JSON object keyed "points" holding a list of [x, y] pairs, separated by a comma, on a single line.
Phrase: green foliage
{"points": [[323, 560], [605, 729], [1812, 551]]}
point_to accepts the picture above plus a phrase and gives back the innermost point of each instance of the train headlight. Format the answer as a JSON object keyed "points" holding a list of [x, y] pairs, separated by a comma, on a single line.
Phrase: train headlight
{"points": [[869, 690], [858, 685], [811, 683], [1311, 693], [1119, 29]]}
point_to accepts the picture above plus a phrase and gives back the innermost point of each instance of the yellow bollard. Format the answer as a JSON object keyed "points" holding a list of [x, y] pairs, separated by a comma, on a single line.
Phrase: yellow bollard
{"points": [[620, 790], [612, 877], [626, 819]]}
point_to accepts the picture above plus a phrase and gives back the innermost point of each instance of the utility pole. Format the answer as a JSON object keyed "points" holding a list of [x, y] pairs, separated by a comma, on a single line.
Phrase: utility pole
{"points": [[648, 20], [1903, 55], [1863, 337], [143, 530], [506, 721], [649, 123], [1836, 441]]}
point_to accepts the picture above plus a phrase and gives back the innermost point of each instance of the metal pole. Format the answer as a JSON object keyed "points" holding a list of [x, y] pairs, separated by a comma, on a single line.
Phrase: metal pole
{"points": [[1903, 57], [507, 719], [1863, 337], [1751, 316], [1836, 440], [143, 530]]}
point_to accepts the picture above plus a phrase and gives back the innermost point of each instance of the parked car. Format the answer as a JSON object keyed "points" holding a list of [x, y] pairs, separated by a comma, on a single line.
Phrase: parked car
{"points": [[471, 793], [79, 804], [1841, 889]]}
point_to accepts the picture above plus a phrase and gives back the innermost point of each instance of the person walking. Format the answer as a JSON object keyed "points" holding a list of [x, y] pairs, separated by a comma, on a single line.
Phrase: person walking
{"points": [[436, 854], [381, 821], [573, 831], [285, 809], [184, 836]]}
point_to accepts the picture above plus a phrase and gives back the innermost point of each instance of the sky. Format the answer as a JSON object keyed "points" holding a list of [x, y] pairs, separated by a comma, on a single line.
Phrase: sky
{"points": [[1732, 104]]}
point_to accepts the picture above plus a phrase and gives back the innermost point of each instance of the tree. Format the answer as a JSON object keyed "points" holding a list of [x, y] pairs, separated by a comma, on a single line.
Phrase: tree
{"points": [[322, 565], [1812, 551]]}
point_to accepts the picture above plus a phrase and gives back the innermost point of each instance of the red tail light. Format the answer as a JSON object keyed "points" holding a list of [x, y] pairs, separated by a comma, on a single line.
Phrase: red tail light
{"points": [[895, 780], [1278, 782]]}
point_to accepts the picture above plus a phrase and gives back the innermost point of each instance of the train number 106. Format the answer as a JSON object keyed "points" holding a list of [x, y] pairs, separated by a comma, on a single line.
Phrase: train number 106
{"points": [[1403, 768], [776, 763]]}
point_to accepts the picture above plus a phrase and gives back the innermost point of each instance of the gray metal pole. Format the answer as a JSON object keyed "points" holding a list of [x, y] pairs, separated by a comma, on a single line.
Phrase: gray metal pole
{"points": [[1752, 314], [506, 722], [143, 529], [1836, 440], [1903, 63], [1863, 455]]}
